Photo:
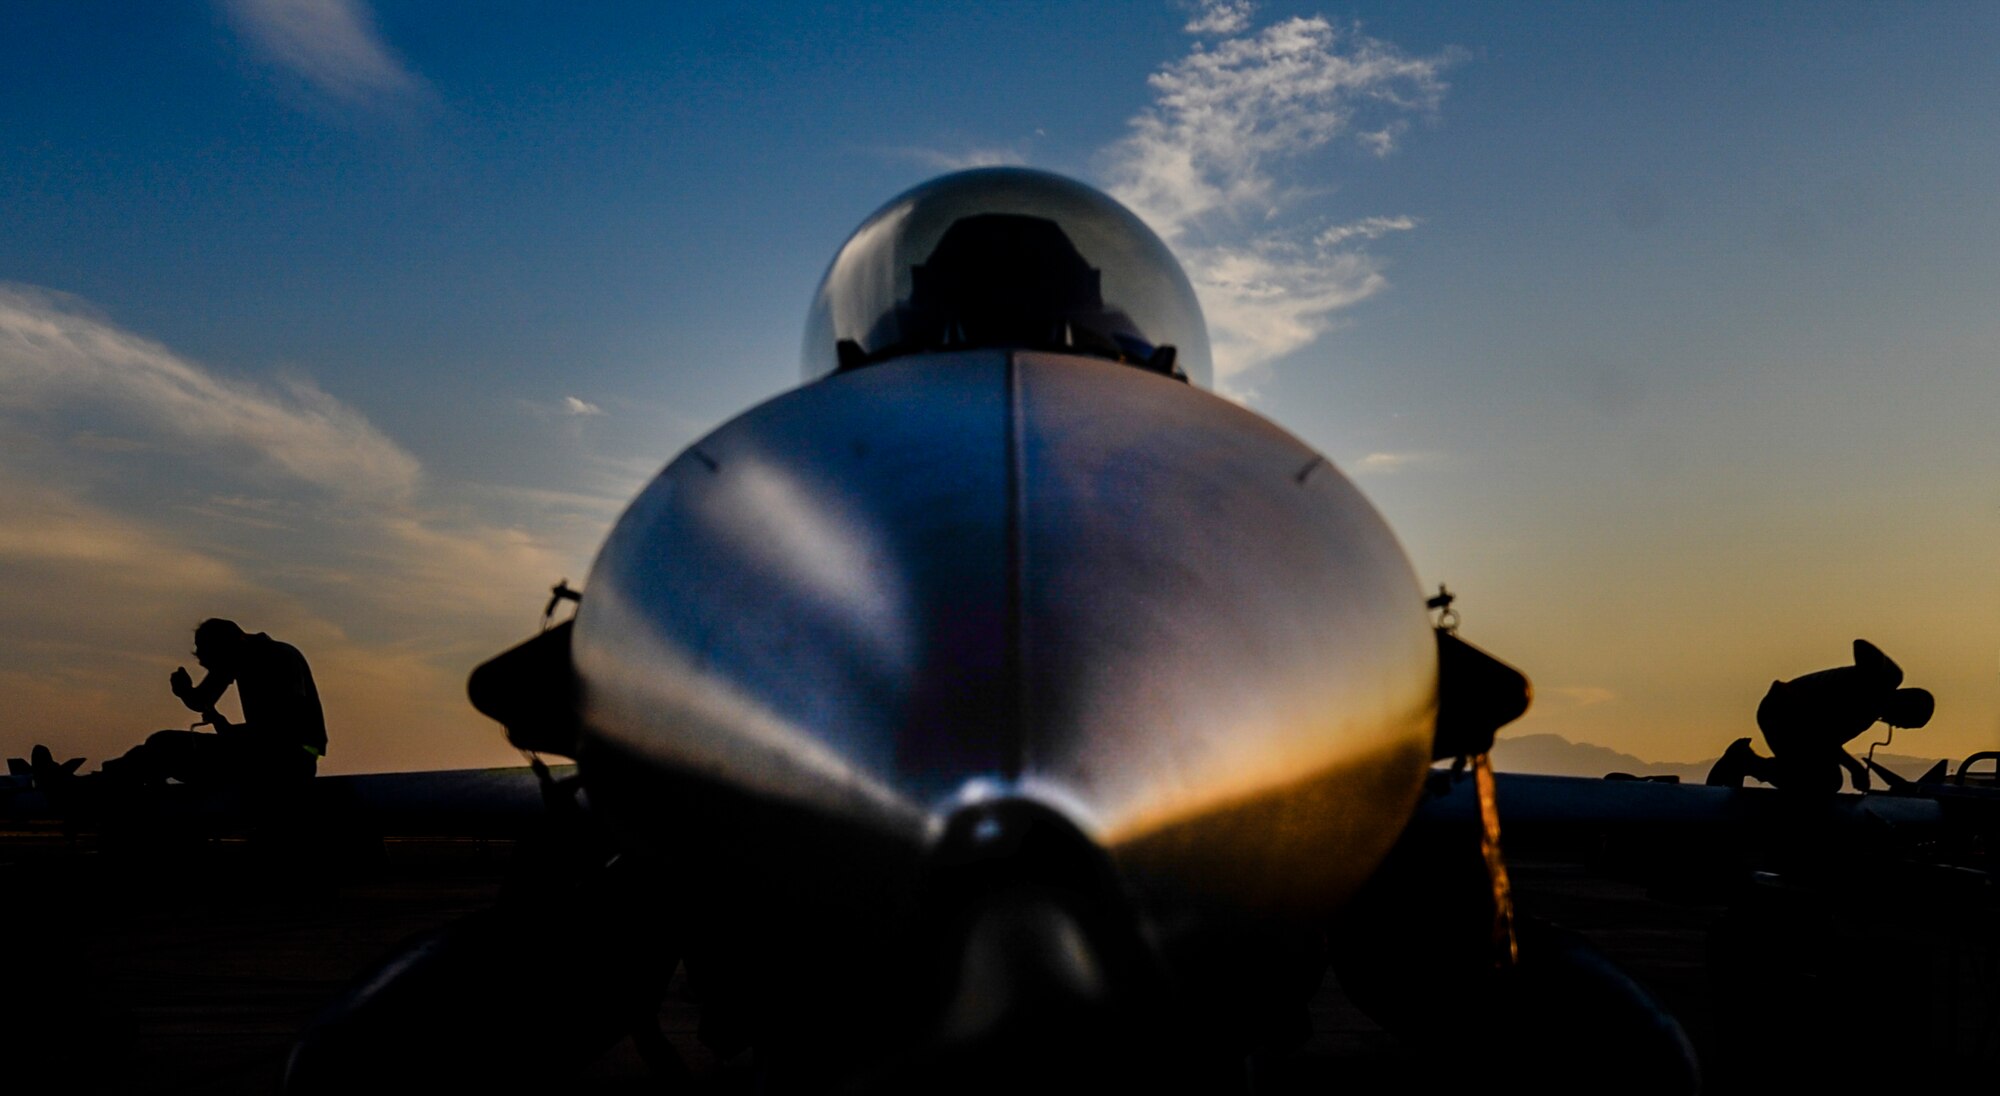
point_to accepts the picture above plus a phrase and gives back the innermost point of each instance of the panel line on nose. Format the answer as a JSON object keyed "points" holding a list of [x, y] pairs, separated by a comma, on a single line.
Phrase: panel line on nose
{"points": [[1016, 661]]}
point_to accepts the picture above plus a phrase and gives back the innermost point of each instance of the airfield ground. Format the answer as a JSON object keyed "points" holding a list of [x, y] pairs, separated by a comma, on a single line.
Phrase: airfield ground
{"points": [[194, 980]]}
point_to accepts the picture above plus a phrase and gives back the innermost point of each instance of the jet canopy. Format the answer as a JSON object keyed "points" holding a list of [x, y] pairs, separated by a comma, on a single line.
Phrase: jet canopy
{"points": [[1008, 258]]}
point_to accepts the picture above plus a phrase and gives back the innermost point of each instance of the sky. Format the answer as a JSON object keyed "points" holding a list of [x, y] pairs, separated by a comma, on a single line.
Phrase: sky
{"points": [[1665, 334]]}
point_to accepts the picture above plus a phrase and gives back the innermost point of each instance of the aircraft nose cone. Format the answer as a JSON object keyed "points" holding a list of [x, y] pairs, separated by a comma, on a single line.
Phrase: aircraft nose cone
{"points": [[1066, 580], [812, 603]]}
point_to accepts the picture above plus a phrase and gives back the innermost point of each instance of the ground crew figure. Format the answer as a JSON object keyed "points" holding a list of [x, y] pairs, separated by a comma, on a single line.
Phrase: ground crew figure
{"points": [[1808, 720], [283, 733]]}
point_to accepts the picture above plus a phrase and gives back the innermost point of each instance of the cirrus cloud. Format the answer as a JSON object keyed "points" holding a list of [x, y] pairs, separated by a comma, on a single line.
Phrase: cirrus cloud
{"points": [[1387, 463], [1220, 17], [55, 353], [333, 45], [1205, 165]]}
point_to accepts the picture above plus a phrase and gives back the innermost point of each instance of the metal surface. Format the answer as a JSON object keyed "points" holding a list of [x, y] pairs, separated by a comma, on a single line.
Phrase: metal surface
{"points": [[909, 588]]}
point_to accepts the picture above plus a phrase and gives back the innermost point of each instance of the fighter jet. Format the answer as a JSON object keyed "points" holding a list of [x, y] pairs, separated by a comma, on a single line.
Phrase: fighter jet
{"points": [[999, 707]]}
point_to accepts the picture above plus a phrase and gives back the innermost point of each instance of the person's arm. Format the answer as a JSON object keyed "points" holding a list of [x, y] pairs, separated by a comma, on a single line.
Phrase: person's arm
{"points": [[1855, 769], [199, 698]]}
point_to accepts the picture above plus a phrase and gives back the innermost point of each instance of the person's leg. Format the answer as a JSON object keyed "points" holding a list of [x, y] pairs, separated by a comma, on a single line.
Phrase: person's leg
{"points": [[260, 760], [190, 757], [1816, 771], [1739, 762]]}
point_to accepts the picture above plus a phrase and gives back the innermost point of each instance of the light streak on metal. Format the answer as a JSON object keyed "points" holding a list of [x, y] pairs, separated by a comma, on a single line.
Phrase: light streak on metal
{"points": [[1506, 946]]}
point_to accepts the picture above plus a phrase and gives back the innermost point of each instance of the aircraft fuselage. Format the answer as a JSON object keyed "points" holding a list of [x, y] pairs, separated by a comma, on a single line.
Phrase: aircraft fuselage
{"points": [[938, 585]]}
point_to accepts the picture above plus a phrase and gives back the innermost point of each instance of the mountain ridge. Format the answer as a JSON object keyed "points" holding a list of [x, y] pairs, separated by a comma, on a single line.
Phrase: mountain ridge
{"points": [[1552, 754]]}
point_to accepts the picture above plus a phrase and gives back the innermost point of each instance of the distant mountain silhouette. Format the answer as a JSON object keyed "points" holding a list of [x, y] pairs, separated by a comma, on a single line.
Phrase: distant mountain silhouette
{"points": [[1556, 755]]}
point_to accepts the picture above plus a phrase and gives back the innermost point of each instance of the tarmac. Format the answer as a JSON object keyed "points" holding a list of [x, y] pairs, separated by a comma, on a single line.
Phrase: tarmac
{"points": [[191, 975]]}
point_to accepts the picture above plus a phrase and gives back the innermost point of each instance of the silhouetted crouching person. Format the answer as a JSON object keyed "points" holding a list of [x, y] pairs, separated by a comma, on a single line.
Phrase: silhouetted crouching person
{"points": [[283, 733], [1808, 720]]}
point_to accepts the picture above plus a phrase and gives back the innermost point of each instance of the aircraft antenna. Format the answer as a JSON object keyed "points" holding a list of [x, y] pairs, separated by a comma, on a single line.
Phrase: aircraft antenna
{"points": [[1447, 620], [555, 792], [562, 591]]}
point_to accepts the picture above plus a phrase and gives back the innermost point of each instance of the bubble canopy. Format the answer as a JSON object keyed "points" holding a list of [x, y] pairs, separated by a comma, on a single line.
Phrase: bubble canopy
{"points": [[1009, 258]]}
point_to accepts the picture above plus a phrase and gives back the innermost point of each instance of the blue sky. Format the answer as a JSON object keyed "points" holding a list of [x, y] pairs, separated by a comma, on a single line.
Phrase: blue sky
{"points": [[1664, 333]]}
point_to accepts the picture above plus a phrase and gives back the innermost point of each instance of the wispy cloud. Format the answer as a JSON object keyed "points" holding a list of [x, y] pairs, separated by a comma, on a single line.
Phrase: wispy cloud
{"points": [[1226, 116], [963, 158], [1369, 228], [1385, 463], [563, 409], [47, 528], [1220, 17], [55, 353], [333, 45], [1270, 296], [1206, 165], [1578, 696]]}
